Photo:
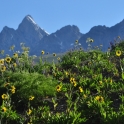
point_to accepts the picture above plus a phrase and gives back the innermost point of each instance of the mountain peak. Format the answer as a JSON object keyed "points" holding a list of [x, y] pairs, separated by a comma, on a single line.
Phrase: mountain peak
{"points": [[28, 22], [7, 29], [99, 28], [68, 28], [29, 18]]}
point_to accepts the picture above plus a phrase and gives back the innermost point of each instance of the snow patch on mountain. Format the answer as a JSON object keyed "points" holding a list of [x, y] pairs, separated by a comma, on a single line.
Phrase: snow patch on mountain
{"points": [[45, 31], [30, 19]]}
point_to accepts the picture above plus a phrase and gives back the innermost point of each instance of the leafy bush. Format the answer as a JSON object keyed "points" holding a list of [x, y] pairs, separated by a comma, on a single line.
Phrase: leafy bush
{"points": [[82, 87]]}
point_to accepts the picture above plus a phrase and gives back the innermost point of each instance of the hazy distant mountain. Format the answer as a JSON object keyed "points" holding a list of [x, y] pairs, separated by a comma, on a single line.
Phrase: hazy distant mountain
{"points": [[62, 40], [103, 35]]}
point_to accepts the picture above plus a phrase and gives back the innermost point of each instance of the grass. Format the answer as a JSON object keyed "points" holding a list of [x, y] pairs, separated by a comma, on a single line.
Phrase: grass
{"points": [[49, 58]]}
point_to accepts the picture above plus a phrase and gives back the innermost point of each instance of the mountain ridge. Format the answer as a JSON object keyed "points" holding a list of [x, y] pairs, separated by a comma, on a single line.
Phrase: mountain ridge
{"points": [[59, 41]]}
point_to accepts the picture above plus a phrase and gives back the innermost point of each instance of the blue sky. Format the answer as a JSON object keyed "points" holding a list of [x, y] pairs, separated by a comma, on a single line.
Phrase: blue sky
{"points": [[51, 15]]}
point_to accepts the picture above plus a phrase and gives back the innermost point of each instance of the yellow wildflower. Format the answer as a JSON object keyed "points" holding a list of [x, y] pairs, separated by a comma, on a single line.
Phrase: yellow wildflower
{"points": [[4, 96], [15, 55], [29, 111], [1, 61], [76, 41], [58, 58], [58, 88], [118, 53], [42, 52], [12, 91], [30, 122], [14, 64], [81, 89], [91, 40], [31, 98], [13, 87], [8, 59], [100, 82], [54, 54], [4, 109], [3, 68], [99, 98], [72, 79], [74, 83]]}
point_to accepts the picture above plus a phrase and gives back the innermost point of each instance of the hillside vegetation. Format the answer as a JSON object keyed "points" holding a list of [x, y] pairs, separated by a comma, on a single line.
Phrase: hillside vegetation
{"points": [[79, 87]]}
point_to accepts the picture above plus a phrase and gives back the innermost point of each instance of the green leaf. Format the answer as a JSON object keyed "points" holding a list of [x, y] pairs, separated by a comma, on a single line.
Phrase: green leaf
{"points": [[122, 75]]}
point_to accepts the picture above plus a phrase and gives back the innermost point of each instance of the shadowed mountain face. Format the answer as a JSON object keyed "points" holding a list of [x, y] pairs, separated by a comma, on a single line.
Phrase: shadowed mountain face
{"points": [[28, 32], [61, 40], [100, 35], [37, 39], [103, 35]]}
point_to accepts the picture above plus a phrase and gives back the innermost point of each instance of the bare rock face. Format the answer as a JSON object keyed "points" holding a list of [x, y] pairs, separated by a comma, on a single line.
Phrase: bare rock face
{"points": [[30, 30], [31, 33]]}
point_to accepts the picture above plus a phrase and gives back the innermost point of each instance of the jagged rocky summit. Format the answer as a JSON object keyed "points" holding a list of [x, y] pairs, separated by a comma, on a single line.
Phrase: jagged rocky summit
{"points": [[38, 39]]}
